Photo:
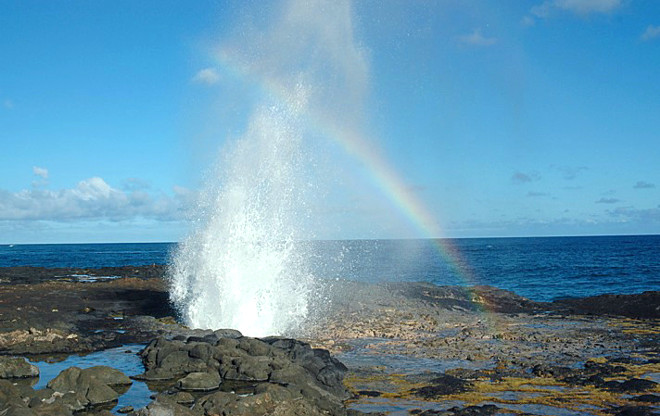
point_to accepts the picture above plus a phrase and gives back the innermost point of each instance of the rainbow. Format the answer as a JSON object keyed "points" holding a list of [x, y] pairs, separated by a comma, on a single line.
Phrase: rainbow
{"points": [[381, 172]]}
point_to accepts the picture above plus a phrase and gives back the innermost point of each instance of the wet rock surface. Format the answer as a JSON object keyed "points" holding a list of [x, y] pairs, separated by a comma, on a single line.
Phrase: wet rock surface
{"points": [[33, 275], [527, 357], [277, 376], [73, 390], [62, 316], [404, 348]]}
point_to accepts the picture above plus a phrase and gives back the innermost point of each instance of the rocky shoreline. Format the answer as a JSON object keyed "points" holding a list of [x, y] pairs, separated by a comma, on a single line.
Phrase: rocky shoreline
{"points": [[395, 348]]}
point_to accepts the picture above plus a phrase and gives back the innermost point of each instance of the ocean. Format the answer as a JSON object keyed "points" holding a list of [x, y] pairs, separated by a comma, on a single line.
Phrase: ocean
{"points": [[539, 268]]}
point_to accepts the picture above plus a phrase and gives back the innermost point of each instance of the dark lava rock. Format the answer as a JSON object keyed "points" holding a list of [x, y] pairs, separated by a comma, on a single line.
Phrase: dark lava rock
{"points": [[592, 373], [80, 390], [55, 314], [582, 380], [31, 275], [8, 394], [485, 410], [166, 406], [108, 375], [602, 369], [199, 382], [17, 367], [545, 370], [288, 375], [648, 398], [626, 360], [495, 374], [642, 305], [632, 385], [369, 393], [268, 399], [634, 411], [227, 333], [183, 397], [441, 386], [27, 402]]}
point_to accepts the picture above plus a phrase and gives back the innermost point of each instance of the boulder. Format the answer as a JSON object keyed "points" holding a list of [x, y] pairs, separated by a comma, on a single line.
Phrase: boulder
{"points": [[227, 333], [17, 367], [247, 368], [215, 402], [108, 375], [83, 388], [183, 397], [199, 382]]}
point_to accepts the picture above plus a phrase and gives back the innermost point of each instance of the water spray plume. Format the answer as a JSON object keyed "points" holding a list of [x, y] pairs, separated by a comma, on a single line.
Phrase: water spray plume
{"points": [[242, 266]]}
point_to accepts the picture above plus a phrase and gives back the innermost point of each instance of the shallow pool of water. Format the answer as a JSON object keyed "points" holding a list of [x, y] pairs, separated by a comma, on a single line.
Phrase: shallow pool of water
{"points": [[123, 358]]}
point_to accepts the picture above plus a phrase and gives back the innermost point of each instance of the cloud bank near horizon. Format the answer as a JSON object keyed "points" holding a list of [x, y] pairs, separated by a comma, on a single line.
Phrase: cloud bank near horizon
{"points": [[92, 199]]}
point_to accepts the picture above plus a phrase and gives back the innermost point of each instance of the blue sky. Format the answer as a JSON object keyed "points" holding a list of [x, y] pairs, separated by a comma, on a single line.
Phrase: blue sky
{"points": [[502, 118]]}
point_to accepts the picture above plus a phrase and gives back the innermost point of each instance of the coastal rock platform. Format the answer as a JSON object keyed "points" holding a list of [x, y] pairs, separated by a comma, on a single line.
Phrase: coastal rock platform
{"points": [[388, 348]]}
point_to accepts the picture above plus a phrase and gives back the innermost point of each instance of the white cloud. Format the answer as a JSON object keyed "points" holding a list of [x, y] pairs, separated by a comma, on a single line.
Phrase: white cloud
{"points": [[8, 104], [208, 76], [476, 38], [92, 198], [43, 172], [579, 7], [651, 32]]}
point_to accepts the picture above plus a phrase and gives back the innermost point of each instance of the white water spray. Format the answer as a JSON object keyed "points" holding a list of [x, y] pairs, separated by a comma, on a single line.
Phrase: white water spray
{"points": [[242, 267]]}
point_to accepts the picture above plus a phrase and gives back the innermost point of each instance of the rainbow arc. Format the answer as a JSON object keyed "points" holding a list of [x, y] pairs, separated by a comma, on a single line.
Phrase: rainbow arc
{"points": [[354, 144]]}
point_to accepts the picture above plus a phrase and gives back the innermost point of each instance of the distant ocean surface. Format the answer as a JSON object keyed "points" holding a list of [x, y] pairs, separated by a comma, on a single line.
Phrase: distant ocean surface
{"points": [[539, 268]]}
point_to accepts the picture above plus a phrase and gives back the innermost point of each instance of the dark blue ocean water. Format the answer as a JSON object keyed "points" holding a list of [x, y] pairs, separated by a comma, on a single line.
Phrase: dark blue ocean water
{"points": [[540, 268]]}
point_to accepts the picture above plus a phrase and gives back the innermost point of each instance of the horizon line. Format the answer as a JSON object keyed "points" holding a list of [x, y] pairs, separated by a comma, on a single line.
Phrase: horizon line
{"points": [[362, 239]]}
